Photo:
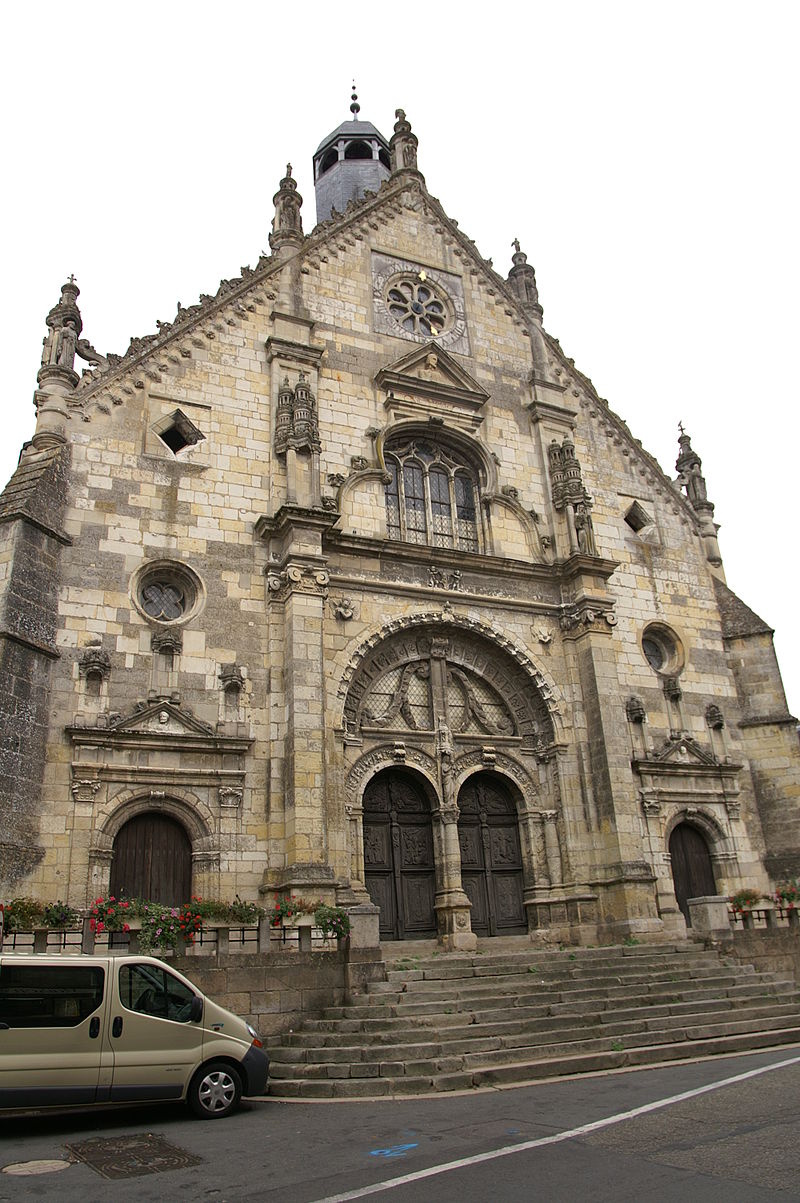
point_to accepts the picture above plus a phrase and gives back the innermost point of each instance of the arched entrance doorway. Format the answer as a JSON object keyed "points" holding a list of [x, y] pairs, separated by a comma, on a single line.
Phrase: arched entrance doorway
{"points": [[398, 855], [692, 871], [491, 856], [152, 859]]}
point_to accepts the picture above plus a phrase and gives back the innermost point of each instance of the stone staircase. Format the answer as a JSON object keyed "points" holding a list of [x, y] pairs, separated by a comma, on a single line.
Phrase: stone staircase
{"points": [[515, 1013]]}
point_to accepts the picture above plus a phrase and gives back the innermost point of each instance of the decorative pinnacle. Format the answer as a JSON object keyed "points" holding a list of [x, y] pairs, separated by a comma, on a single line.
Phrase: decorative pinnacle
{"points": [[355, 107]]}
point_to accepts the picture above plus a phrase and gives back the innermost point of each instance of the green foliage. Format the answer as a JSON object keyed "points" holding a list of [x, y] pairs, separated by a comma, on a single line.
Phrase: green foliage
{"points": [[787, 894], [630, 941], [617, 1046], [165, 927], [22, 914], [246, 913], [59, 915], [285, 907], [745, 901], [111, 914], [332, 920]]}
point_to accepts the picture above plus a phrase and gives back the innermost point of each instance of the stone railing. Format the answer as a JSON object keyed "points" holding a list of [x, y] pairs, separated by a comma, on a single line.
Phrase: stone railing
{"points": [[213, 940]]}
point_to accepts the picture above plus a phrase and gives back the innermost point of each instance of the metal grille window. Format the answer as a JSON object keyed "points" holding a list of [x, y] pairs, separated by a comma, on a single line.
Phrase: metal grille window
{"points": [[430, 498]]}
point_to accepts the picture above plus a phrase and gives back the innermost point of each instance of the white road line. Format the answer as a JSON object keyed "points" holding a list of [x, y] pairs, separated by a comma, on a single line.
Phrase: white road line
{"points": [[508, 1150]]}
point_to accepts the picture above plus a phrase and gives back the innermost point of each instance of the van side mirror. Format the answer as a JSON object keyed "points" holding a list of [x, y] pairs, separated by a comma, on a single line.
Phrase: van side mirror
{"points": [[196, 1009]]}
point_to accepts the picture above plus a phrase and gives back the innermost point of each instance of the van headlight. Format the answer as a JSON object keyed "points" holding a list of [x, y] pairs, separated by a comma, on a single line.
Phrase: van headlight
{"points": [[255, 1035]]}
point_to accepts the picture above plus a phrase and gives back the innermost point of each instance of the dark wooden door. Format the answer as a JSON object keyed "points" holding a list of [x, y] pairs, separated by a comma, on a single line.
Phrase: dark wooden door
{"points": [[398, 855], [692, 871], [152, 859], [491, 858]]}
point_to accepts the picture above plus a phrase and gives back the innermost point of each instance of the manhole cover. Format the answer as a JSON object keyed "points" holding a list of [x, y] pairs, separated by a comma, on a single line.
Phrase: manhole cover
{"points": [[132, 1156], [21, 1169]]}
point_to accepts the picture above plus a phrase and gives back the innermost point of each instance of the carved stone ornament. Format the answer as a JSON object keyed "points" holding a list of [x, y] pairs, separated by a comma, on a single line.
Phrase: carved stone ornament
{"points": [[297, 578], [336, 479], [585, 618], [85, 789], [441, 578], [672, 690], [714, 717], [510, 491], [167, 641], [734, 808], [650, 802], [543, 634], [635, 711], [231, 677], [344, 609], [230, 795], [297, 420], [359, 463], [94, 662]]}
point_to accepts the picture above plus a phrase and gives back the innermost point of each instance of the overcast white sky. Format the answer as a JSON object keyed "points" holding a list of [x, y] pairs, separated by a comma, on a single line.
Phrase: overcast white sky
{"points": [[645, 154]]}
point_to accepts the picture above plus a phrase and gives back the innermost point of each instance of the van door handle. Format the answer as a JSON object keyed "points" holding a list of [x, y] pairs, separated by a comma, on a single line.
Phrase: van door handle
{"points": [[116, 1027], [94, 1027]]}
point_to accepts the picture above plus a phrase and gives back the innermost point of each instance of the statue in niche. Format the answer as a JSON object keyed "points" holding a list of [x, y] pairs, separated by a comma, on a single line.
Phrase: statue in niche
{"points": [[584, 530]]}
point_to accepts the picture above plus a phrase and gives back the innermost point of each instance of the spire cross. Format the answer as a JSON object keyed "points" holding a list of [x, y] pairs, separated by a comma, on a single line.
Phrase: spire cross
{"points": [[71, 279], [680, 428]]}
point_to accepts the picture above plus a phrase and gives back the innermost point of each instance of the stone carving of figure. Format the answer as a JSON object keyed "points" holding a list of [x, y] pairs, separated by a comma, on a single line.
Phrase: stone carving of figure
{"points": [[584, 530], [287, 215], [50, 345], [67, 344], [696, 485], [410, 155]]}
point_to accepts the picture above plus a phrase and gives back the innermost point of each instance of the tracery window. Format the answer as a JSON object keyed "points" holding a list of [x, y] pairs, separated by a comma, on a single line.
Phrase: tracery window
{"points": [[431, 497]]}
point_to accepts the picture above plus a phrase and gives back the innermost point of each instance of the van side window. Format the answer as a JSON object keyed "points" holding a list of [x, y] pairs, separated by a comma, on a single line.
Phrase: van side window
{"points": [[151, 990], [49, 996]]}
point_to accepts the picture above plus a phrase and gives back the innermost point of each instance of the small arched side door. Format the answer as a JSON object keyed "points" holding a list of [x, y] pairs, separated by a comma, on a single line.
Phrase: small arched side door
{"points": [[153, 860], [692, 871]]}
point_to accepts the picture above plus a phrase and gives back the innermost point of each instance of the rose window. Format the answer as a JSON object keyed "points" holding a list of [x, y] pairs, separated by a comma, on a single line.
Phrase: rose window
{"points": [[417, 307]]}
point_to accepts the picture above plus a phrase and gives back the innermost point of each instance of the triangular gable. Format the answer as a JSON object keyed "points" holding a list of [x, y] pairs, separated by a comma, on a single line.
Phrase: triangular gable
{"points": [[428, 383], [161, 718], [685, 752]]}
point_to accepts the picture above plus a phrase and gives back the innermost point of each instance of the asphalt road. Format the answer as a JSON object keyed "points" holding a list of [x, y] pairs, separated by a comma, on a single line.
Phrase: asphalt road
{"points": [[554, 1143]]}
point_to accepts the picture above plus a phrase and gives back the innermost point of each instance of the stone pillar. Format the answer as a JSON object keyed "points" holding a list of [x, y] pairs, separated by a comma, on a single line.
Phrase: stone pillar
{"points": [[552, 847], [297, 585], [627, 903]]}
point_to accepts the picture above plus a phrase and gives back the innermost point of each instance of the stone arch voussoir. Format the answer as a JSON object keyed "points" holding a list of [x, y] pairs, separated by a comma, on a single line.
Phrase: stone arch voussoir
{"points": [[182, 805], [386, 757]]}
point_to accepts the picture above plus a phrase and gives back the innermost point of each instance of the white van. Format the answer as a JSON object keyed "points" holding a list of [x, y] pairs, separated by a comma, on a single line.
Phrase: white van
{"points": [[78, 1030]]}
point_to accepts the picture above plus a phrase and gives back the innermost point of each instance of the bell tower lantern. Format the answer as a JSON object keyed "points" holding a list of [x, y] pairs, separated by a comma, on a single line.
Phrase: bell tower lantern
{"points": [[352, 160]]}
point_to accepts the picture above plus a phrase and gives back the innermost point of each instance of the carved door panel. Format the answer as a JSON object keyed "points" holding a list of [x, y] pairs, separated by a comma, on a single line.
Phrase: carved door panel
{"points": [[152, 859], [692, 871], [491, 856], [398, 856]]}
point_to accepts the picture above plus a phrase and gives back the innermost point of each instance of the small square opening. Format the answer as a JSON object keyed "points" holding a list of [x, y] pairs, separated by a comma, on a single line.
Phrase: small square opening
{"points": [[177, 431]]}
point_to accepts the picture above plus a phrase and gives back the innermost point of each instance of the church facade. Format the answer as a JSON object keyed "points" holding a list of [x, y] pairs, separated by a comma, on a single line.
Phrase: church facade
{"points": [[347, 583]]}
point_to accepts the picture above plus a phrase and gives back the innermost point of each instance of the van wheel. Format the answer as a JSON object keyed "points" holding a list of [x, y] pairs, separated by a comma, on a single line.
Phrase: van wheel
{"points": [[215, 1090]]}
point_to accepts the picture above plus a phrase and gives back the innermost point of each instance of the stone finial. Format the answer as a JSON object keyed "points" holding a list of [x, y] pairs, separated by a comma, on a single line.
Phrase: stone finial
{"points": [[689, 467], [59, 345], [522, 279], [403, 145], [355, 107], [287, 225]]}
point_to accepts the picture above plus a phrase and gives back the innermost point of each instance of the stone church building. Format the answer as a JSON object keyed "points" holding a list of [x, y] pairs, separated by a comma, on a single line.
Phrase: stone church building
{"points": [[345, 582]]}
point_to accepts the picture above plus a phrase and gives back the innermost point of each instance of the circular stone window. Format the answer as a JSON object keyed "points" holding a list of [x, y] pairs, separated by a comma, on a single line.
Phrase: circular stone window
{"points": [[165, 591], [662, 649], [418, 305]]}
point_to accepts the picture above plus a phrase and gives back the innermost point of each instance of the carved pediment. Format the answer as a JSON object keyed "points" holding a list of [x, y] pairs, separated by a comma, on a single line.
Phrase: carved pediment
{"points": [[162, 718], [684, 756], [429, 383], [685, 751]]}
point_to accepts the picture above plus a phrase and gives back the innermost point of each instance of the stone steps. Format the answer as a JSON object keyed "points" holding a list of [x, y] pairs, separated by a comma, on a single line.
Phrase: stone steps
{"points": [[456, 1021]]}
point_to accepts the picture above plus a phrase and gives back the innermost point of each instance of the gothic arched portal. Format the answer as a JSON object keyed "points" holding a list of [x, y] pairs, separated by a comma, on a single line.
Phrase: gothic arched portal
{"points": [[398, 854], [491, 856]]}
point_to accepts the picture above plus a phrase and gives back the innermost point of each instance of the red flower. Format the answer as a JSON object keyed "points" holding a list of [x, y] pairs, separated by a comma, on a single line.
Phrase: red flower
{"points": [[126, 927]]}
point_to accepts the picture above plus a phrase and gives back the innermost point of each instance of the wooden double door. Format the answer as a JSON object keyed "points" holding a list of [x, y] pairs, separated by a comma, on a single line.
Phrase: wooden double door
{"points": [[692, 871], [491, 857], [398, 855], [153, 860]]}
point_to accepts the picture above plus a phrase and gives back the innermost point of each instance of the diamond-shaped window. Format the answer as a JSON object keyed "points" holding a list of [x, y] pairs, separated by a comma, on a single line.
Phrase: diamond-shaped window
{"points": [[177, 431]]}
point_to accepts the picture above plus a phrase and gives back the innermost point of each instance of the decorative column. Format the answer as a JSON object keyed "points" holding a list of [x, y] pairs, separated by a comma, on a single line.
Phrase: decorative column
{"points": [[452, 904]]}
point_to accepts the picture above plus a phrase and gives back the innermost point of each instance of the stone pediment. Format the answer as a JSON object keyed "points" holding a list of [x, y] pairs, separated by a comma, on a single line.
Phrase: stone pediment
{"points": [[162, 718], [684, 755], [428, 382]]}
